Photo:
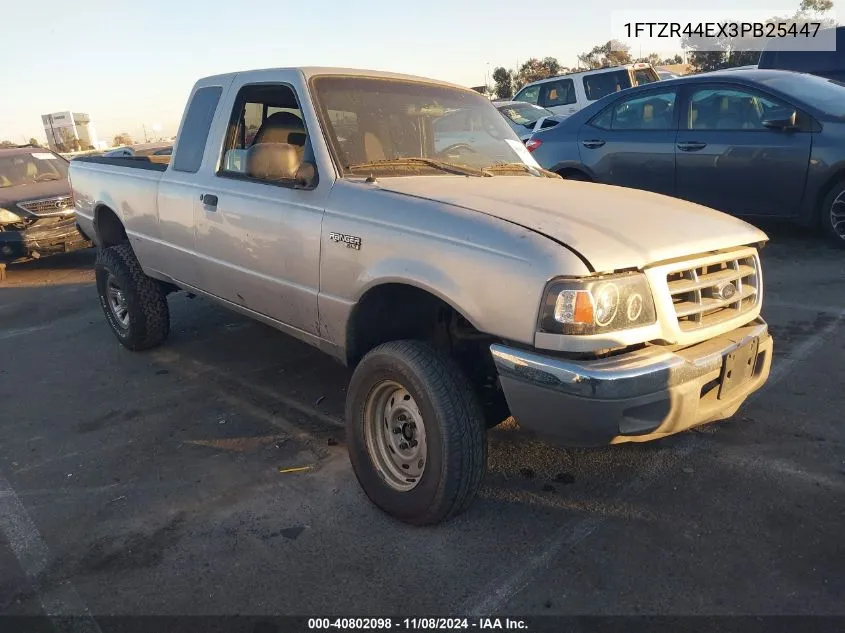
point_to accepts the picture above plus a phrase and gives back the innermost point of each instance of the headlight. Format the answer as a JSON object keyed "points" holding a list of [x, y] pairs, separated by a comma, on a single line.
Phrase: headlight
{"points": [[8, 217], [596, 306]]}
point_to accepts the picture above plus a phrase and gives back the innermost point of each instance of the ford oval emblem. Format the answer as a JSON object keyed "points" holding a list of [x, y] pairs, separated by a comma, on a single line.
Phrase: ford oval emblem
{"points": [[725, 291]]}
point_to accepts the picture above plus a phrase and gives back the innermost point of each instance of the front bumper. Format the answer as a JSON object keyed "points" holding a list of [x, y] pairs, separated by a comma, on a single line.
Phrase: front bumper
{"points": [[47, 236], [638, 396]]}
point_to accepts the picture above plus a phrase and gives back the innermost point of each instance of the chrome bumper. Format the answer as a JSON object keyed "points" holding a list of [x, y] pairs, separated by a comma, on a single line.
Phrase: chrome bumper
{"points": [[636, 396]]}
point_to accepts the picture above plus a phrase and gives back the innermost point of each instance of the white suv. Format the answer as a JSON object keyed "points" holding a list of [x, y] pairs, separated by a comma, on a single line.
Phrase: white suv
{"points": [[566, 94]]}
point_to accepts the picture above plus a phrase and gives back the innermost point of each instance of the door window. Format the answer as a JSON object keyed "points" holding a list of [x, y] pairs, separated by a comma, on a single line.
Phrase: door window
{"points": [[653, 111], [267, 115], [557, 93], [730, 109], [600, 84], [529, 95]]}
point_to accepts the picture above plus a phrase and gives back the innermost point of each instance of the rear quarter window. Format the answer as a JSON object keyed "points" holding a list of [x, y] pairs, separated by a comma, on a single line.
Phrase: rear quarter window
{"points": [[600, 84], [194, 134]]}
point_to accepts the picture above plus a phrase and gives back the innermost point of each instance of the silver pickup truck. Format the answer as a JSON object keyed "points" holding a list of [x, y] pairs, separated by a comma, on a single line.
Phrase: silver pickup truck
{"points": [[462, 283]]}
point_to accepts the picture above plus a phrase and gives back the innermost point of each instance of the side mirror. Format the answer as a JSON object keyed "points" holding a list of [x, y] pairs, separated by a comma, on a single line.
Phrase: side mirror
{"points": [[781, 122]]}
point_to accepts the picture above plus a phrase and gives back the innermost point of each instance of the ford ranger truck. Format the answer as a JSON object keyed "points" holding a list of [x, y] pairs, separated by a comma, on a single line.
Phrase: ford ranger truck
{"points": [[463, 284]]}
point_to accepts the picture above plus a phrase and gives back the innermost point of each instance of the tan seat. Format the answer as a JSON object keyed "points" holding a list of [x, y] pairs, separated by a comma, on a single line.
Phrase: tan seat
{"points": [[373, 149], [281, 127]]}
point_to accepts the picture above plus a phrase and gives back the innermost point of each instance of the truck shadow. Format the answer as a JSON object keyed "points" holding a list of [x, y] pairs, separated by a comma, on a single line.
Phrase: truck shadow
{"points": [[303, 392]]}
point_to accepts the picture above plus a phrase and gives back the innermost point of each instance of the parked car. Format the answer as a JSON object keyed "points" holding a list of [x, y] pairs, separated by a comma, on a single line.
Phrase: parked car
{"points": [[525, 118], [36, 210], [119, 152], [828, 64], [764, 143], [461, 285], [666, 74], [566, 94], [164, 151]]}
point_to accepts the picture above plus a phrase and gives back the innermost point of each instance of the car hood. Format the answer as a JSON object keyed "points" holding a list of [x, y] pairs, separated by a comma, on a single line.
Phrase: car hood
{"points": [[611, 227], [33, 191]]}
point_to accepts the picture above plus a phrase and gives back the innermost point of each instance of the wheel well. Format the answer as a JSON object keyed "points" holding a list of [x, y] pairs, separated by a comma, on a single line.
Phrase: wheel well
{"points": [[392, 312], [834, 180], [108, 227], [569, 171]]}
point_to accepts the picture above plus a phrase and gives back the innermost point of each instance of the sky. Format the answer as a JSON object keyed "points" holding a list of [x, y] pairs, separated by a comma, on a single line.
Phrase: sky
{"points": [[132, 63]]}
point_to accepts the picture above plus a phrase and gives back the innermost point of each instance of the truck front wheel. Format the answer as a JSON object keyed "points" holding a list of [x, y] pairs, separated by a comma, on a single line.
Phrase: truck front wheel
{"points": [[135, 305], [415, 432]]}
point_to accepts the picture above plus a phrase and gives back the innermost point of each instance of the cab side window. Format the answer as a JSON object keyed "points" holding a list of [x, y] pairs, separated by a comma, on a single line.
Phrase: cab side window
{"points": [[266, 139], [557, 93]]}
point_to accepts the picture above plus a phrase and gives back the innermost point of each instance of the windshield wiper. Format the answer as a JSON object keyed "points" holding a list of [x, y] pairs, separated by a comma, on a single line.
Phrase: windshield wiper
{"points": [[520, 167], [451, 168]]}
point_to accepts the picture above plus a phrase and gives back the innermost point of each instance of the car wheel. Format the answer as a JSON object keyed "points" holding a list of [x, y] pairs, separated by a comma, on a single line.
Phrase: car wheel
{"points": [[833, 215], [135, 305], [415, 432]]}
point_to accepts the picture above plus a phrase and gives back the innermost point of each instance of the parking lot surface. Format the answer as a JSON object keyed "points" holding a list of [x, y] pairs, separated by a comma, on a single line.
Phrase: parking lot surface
{"points": [[209, 476]]}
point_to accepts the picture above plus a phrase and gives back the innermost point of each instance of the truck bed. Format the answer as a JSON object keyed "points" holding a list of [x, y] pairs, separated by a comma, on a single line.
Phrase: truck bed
{"points": [[153, 163]]}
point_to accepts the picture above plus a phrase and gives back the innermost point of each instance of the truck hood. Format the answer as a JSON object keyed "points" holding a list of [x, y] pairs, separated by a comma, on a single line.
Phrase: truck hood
{"points": [[611, 227]]}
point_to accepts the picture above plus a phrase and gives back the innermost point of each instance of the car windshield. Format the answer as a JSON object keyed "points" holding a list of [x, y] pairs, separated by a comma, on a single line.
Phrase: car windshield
{"points": [[827, 95], [523, 113], [28, 168], [397, 127]]}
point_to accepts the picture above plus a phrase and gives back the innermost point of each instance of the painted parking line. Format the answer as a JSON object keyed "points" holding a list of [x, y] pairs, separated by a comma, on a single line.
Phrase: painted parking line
{"points": [[33, 557], [509, 584]]}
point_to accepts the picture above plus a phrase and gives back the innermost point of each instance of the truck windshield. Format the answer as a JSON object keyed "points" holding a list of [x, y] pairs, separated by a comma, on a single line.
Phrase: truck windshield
{"points": [[400, 127], [29, 167]]}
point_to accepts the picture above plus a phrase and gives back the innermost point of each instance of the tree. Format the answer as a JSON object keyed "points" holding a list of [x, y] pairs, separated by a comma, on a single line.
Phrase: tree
{"points": [[535, 69], [611, 53], [7, 144], [815, 6], [123, 139], [503, 82], [34, 141]]}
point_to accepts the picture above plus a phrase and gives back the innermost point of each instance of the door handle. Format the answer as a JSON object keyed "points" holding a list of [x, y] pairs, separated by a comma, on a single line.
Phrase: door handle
{"points": [[209, 200], [691, 146], [592, 144]]}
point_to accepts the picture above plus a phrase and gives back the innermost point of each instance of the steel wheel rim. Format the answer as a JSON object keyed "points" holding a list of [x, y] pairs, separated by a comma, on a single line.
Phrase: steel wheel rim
{"points": [[395, 435], [117, 302], [837, 215]]}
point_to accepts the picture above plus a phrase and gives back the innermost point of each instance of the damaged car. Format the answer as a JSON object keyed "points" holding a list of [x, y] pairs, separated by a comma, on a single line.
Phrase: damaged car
{"points": [[36, 208]]}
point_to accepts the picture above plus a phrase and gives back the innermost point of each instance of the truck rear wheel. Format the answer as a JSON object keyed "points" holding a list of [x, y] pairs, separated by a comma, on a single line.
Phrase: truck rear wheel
{"points": [[135, 305], [415, 432]]}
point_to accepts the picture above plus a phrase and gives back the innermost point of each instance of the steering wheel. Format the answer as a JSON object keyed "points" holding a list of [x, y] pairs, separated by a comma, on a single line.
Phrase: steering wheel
{"points": [[458, 146]]}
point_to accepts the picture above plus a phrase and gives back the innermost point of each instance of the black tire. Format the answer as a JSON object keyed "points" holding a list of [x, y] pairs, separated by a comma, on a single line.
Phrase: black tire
{"points": [[575, 175], [454, 426], [834, 203], [147, 314]]}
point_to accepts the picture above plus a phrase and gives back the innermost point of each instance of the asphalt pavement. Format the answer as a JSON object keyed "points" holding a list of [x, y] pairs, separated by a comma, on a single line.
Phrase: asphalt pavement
{"points": [[209, 476]]}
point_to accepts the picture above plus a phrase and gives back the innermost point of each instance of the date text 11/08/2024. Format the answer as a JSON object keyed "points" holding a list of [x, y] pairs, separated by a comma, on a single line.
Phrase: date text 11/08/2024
{"points": [[417, 624]]}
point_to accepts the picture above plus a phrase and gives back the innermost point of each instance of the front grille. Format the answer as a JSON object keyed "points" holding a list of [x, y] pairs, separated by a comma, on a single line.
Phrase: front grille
{"points": [[48, 206], [710, 294]]}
